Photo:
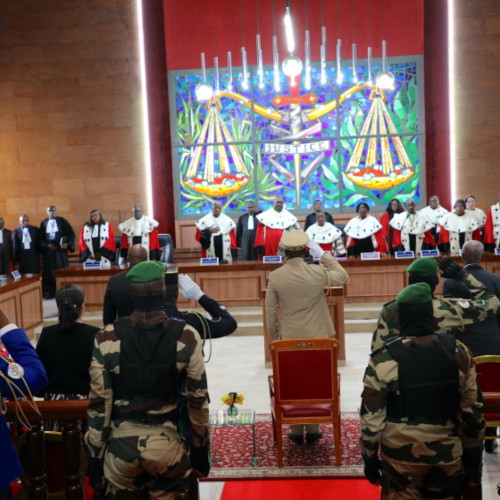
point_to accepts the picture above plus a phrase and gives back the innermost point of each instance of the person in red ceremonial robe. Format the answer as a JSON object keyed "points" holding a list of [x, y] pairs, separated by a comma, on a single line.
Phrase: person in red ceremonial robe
{"points": [[273, 222], [364, 233], [412, 231], [456, 228], [327, 236], [97, 241], [394, 207], [216, 234], [140, 230], [492, 228]]}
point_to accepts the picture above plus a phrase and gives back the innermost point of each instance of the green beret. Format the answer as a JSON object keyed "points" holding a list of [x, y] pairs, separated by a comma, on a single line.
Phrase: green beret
{"points": [[148, 270], [418, 293], [423, 266]]}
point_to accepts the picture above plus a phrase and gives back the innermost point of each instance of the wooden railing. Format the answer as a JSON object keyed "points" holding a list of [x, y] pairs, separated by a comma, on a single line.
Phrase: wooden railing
{"points": [[68, 412]]}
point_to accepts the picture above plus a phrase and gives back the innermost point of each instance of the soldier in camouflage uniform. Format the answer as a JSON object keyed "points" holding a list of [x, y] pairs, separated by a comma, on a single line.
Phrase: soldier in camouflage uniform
{"points": [[422, 407], [140, 365], [450, 315]]}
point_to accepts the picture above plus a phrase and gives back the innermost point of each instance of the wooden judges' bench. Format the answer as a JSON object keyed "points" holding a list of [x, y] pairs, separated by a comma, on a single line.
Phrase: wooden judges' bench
{"points": [[21, 301], [242, 283]]}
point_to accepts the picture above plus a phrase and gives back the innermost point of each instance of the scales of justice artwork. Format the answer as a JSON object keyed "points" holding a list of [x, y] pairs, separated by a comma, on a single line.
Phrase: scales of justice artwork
{"points": [[341, 142]]}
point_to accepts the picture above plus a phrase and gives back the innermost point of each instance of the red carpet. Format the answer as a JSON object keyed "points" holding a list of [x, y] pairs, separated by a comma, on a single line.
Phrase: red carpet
{"points": [[232, 452], [300, 489]]}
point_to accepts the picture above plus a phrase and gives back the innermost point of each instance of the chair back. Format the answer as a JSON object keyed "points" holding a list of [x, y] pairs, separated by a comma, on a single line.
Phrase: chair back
{"points": [[167, 248], [305, 370], [488, 372], [118, 242], [488, 380]]}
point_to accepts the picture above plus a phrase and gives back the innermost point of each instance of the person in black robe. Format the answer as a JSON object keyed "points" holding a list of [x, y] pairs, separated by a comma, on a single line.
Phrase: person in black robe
{"points": [[55, 238], [25, 247], [245, 233], [5, 253]]}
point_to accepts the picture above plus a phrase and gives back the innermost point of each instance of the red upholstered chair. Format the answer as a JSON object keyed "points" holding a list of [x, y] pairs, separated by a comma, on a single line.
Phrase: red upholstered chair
{"points": [[305, 387], [488, 380]]}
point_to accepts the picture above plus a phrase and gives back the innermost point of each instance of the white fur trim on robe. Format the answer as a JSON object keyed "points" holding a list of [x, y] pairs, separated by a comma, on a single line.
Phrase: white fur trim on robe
{"points": [[478, 214], [456, 224], [416, 224], [359, 228], [327, 233], [495, 213], [277, 220], [225, 225], [139, 227], [434, 215]]}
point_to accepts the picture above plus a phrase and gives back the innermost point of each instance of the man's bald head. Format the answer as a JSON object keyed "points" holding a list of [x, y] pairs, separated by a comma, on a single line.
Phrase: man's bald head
{"points": [[472, 252], [136, 254]]}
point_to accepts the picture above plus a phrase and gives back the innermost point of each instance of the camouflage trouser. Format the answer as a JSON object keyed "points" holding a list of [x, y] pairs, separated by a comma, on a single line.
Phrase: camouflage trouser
{"points": [[407, 481], [146, 462]]}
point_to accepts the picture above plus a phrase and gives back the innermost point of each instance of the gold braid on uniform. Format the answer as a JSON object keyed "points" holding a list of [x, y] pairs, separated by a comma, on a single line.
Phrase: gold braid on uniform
{"points": [[450, 302], [20, 415], [205, 333]]}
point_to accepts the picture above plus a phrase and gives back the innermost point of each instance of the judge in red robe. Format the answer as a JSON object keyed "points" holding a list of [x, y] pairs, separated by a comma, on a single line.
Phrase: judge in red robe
{"points": [[412, 231], [272, 223], [97, 241], [216, 234], [492, 228], [364, 233], [456, 228]]}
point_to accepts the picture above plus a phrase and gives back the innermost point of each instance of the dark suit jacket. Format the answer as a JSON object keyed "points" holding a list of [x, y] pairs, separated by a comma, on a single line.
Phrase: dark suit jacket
{"points": [[490, 280], [311, 219], [117, 298], [484, 337], [29, 260]]}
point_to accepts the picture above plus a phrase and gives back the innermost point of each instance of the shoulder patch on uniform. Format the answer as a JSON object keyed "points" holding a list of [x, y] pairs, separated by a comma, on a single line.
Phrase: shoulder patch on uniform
{"points": [[481, 303]]}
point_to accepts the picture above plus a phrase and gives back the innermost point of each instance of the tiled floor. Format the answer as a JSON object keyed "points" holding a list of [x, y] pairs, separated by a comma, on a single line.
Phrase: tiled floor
{"points": [[237, 364]]}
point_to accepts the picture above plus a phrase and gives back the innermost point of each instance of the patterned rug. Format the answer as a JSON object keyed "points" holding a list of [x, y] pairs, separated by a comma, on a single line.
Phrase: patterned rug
{"points": [[232, 452]]}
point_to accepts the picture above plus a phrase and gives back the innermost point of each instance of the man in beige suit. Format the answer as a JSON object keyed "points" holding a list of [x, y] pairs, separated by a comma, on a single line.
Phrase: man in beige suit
{"points": [[295, 293]]}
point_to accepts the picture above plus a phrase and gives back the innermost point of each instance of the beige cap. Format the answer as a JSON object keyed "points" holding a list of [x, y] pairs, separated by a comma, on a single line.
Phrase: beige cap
{"points": [[294, 240]]}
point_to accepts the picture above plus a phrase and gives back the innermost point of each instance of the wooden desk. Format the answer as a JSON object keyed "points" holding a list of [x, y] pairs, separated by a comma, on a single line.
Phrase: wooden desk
{"points": [[240, 283], [21, 300], [236, 284], [335, 301]]}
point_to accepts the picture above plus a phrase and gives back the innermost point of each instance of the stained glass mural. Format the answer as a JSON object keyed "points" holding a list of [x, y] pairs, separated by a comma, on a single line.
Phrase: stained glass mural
{"points": [[341, 143]]}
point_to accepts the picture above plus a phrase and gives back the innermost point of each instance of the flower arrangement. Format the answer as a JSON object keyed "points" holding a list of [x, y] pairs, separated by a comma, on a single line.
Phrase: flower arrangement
{"points": [[231, 399]]}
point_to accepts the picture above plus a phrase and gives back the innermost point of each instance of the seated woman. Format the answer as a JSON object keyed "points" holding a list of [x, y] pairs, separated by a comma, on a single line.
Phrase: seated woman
{"points": [[364, 233], [66, 348], [456, 228], [394, 207], [97, 240]]}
